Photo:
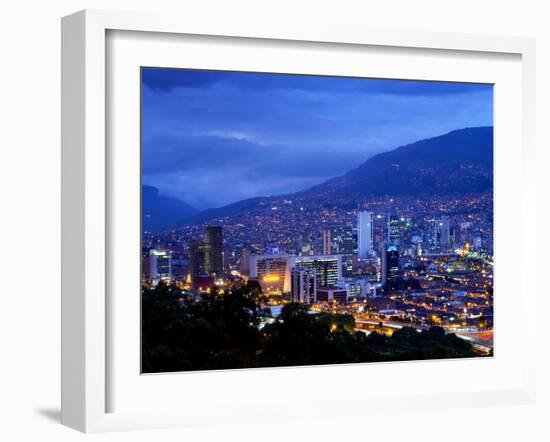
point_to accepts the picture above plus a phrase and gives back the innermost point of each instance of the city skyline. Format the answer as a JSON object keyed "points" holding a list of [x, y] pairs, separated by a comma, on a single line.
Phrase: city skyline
{"points": [[307, 129], [321, 257]]}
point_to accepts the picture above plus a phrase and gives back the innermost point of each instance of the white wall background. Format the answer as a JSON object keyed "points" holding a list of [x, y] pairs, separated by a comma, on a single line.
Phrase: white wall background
{"points": [[30, 214]]}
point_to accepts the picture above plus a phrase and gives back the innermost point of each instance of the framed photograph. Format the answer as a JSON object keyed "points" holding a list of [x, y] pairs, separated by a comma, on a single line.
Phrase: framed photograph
{"points": [[334, 218]]}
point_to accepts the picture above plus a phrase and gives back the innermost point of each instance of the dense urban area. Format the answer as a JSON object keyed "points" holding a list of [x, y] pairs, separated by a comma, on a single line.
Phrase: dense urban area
{"points": [[385, 267]]}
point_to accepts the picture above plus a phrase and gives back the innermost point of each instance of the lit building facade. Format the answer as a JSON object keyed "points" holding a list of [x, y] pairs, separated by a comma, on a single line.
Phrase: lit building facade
{"points": [[394, 230], [364, 233], [245, 261], [327, 268], [272, 271], [390, 263], [332, 294], [303, 284], [197, 257], [444, 228], [338, 240], [213, 258], [160, 262]]}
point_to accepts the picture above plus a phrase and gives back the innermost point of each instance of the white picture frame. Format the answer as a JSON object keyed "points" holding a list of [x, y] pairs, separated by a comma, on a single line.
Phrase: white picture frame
{"points": [[86, 356]]}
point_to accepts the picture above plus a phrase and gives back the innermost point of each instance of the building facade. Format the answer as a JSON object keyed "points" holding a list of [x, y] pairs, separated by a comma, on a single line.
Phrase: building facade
{"points": [[394, 230], [213, 258], [390, 263], [332, 294], [160, 262], [364, 234], [303, 284]]}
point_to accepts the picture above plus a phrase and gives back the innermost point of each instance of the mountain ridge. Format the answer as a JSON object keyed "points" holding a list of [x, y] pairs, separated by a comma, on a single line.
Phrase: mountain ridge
{"points": [[460, 161], [162, 212]]}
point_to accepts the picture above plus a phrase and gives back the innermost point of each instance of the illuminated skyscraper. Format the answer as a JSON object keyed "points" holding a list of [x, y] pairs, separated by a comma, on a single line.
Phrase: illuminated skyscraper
{"points": [[327, 268], [160, 265], [390, 263], [213, 259], [445, 232], [245, 261], [197, 254], [364, 233], [339, 240], [393, 230], [303, 285]]}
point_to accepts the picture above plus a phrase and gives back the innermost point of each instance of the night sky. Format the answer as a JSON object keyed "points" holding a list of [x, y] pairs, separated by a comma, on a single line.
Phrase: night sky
{"points": [[213, 138]]}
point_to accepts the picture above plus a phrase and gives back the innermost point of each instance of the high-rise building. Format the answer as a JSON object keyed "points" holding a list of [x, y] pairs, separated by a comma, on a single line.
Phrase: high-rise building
{"points": [[213, 259], [445, 232], [364, 233], [390, 263], [394, 233], [160, 262], [327, 268], [179, 265], [245, 261], [303, 284], [197, 255], [338, 240]]}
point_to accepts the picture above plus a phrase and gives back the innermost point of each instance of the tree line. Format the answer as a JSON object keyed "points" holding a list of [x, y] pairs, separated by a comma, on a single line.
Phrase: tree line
{"points": [[181, 333]]}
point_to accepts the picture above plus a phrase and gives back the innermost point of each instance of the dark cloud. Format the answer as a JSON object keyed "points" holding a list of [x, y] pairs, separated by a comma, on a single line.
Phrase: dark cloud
{"points": [[211, 171], [212, 138], [168, 79]]}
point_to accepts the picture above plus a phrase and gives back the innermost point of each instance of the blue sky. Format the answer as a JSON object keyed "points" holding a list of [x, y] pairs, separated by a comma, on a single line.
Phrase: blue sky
{"points": [[213, 138]]}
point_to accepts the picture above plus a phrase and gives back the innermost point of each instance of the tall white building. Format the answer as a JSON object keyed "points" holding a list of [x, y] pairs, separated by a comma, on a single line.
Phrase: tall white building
{"points": [[160, 262], [303, 285], [364, 234]]}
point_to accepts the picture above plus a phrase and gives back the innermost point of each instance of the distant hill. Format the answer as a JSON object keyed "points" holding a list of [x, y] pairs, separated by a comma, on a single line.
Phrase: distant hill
{"points": [[458, 162], [162, 212]]}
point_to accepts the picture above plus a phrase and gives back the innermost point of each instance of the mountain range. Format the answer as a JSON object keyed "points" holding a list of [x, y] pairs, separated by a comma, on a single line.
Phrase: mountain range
{"points": [[162, 212], [458, 162]]}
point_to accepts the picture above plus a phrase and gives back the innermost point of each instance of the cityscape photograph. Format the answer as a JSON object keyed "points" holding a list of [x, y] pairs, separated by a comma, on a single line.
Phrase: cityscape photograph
{"points": [[298, 220]]}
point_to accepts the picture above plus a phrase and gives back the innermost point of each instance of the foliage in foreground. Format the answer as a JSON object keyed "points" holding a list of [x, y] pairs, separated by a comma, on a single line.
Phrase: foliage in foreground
{"points": [[221, 332]]}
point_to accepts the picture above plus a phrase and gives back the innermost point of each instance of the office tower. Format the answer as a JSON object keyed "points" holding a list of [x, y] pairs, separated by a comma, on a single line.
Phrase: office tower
{"points": [[213, 242], [432, 234], [272, 271], [445, 232], [393, 229], [160, 265], [390, 263], [338, 240], [179, 265], [303, 285], [327, 268], [197, 255], [245, 261], [364, 233]]}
